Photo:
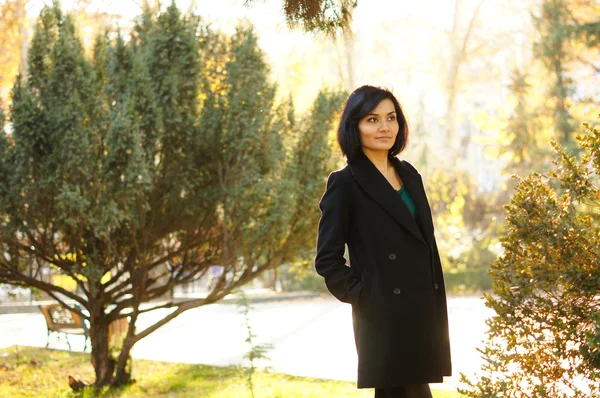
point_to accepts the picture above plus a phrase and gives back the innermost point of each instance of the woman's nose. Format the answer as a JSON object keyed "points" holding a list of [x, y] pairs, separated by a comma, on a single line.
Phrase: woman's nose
{"points": [[385, 126]]}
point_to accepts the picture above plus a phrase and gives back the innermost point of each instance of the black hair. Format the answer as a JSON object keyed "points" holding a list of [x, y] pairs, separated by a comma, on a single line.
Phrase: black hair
{"points": [[358, 105]]}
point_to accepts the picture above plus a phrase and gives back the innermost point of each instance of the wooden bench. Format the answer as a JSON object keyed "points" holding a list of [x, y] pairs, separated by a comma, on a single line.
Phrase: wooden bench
{"points": [[61, 320]]}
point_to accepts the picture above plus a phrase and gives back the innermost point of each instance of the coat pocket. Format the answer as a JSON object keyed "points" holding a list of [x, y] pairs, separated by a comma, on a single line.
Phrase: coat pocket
{"points": [[365, 298]]}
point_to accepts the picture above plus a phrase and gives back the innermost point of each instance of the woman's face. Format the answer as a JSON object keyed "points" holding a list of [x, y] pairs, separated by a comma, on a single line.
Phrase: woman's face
{"points": [[378, 130]]}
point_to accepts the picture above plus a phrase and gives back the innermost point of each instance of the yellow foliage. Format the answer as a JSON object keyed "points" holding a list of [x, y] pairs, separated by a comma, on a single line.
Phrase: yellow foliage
{"points": [[13, 35], [65, 282], [105, 278]]}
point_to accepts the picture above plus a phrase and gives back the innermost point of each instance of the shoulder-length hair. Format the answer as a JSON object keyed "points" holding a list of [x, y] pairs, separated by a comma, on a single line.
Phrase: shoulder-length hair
{"points": [[358, 105]]}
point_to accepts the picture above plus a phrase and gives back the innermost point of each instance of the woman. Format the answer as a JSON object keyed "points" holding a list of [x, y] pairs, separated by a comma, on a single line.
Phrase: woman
{"points": [[378, 207]]}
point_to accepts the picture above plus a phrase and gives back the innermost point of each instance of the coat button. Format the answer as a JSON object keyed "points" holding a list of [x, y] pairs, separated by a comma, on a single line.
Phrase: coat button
{"points": [[435, 286], [397, 291], [392, 256]]}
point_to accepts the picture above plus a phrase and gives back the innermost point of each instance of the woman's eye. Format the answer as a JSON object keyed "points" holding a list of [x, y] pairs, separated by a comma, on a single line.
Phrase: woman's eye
{"points": [[372, 119], [392, 118]]}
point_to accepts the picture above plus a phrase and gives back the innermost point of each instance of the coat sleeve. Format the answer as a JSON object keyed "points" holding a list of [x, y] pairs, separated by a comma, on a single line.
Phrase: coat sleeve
{"points": [[341, 280]]}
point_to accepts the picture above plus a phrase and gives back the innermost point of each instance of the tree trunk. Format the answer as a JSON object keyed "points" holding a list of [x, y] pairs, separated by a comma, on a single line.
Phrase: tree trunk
{"points": [[344, 42], [451, 85], [348, 37], [24, 38], [123, 375], [458, 55], [102, 361], [451, 139]]}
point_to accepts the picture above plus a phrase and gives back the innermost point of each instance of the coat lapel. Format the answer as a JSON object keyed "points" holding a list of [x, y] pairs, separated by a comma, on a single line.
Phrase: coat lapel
{"points": [[415, 188], [375, 184]]}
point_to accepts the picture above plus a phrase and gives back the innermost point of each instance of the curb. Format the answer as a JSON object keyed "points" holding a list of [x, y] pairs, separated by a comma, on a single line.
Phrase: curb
{"points": [[271, 298], [23, 308], [30, 308]]}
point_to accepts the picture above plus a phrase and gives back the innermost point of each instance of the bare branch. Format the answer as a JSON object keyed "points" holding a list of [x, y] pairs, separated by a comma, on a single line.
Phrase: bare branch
{"points": [[169, 304], [137, 3], [181, 307], [470, 28], [67, 305], [588, 63], [184, 248], [46, 287]]}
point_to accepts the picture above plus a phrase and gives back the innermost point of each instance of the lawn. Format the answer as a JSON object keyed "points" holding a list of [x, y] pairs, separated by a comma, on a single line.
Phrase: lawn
{"points": [[36, 372]]}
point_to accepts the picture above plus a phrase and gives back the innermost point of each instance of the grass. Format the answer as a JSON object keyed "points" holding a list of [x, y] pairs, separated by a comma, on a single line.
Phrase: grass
{"points": [[37, 372]]}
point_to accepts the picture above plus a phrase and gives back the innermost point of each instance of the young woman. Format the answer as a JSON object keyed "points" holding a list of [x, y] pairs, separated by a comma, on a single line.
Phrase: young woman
{"points": [[377, 206]]}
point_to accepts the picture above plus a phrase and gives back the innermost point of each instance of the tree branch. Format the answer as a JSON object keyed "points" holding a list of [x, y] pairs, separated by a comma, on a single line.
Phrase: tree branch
{"points": [[137, 3], [72, 308], [470, 28], [46, 287], [182, 307], [588, 63]]}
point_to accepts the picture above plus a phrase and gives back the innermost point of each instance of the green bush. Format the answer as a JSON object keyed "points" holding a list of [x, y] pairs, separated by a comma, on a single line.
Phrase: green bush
{"points": [[458, 280], [294, 279], [468, 280], [544, 339]]}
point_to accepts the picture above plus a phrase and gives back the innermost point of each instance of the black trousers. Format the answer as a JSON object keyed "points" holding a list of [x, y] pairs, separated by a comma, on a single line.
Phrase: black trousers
{"points": [[409, 391]]}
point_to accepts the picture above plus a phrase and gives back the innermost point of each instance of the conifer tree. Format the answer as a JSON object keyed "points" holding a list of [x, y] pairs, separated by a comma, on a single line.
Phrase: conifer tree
{"points": [[553, 50], [526, 154], [564, 28], [135, 170], [313, 156], [4, 154]]}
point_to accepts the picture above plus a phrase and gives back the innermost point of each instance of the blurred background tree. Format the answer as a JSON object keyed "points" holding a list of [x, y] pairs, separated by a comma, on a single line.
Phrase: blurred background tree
{"points": [[14, 38]]}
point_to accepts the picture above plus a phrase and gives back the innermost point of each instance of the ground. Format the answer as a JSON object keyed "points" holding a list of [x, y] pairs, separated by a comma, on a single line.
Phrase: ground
{"points": [[38, 372]]}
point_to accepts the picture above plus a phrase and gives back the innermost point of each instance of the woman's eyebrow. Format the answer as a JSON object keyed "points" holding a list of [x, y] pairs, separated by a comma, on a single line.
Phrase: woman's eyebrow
{"points": [[375, 114]]}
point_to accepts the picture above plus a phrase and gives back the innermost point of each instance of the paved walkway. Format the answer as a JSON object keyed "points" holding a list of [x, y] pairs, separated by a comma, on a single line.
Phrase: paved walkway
{"points": [[310, 337]]}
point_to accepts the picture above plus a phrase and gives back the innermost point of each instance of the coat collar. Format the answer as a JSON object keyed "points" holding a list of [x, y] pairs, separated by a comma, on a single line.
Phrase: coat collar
{"points": [[375, 184]]}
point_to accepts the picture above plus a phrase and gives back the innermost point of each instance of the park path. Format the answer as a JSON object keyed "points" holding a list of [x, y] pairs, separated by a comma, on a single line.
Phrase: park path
{"points": [[310, 337]]}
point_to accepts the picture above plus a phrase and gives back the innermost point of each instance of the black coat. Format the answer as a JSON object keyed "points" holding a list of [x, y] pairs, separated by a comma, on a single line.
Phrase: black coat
{"points": [[394, 281]]}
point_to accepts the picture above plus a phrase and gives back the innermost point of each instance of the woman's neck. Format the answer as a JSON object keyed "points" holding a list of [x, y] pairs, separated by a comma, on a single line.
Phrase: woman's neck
{"points": [[380, 160]]}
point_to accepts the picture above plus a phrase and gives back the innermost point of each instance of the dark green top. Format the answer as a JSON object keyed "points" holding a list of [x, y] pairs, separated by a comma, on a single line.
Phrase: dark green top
{"points": [[410, 203]]}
